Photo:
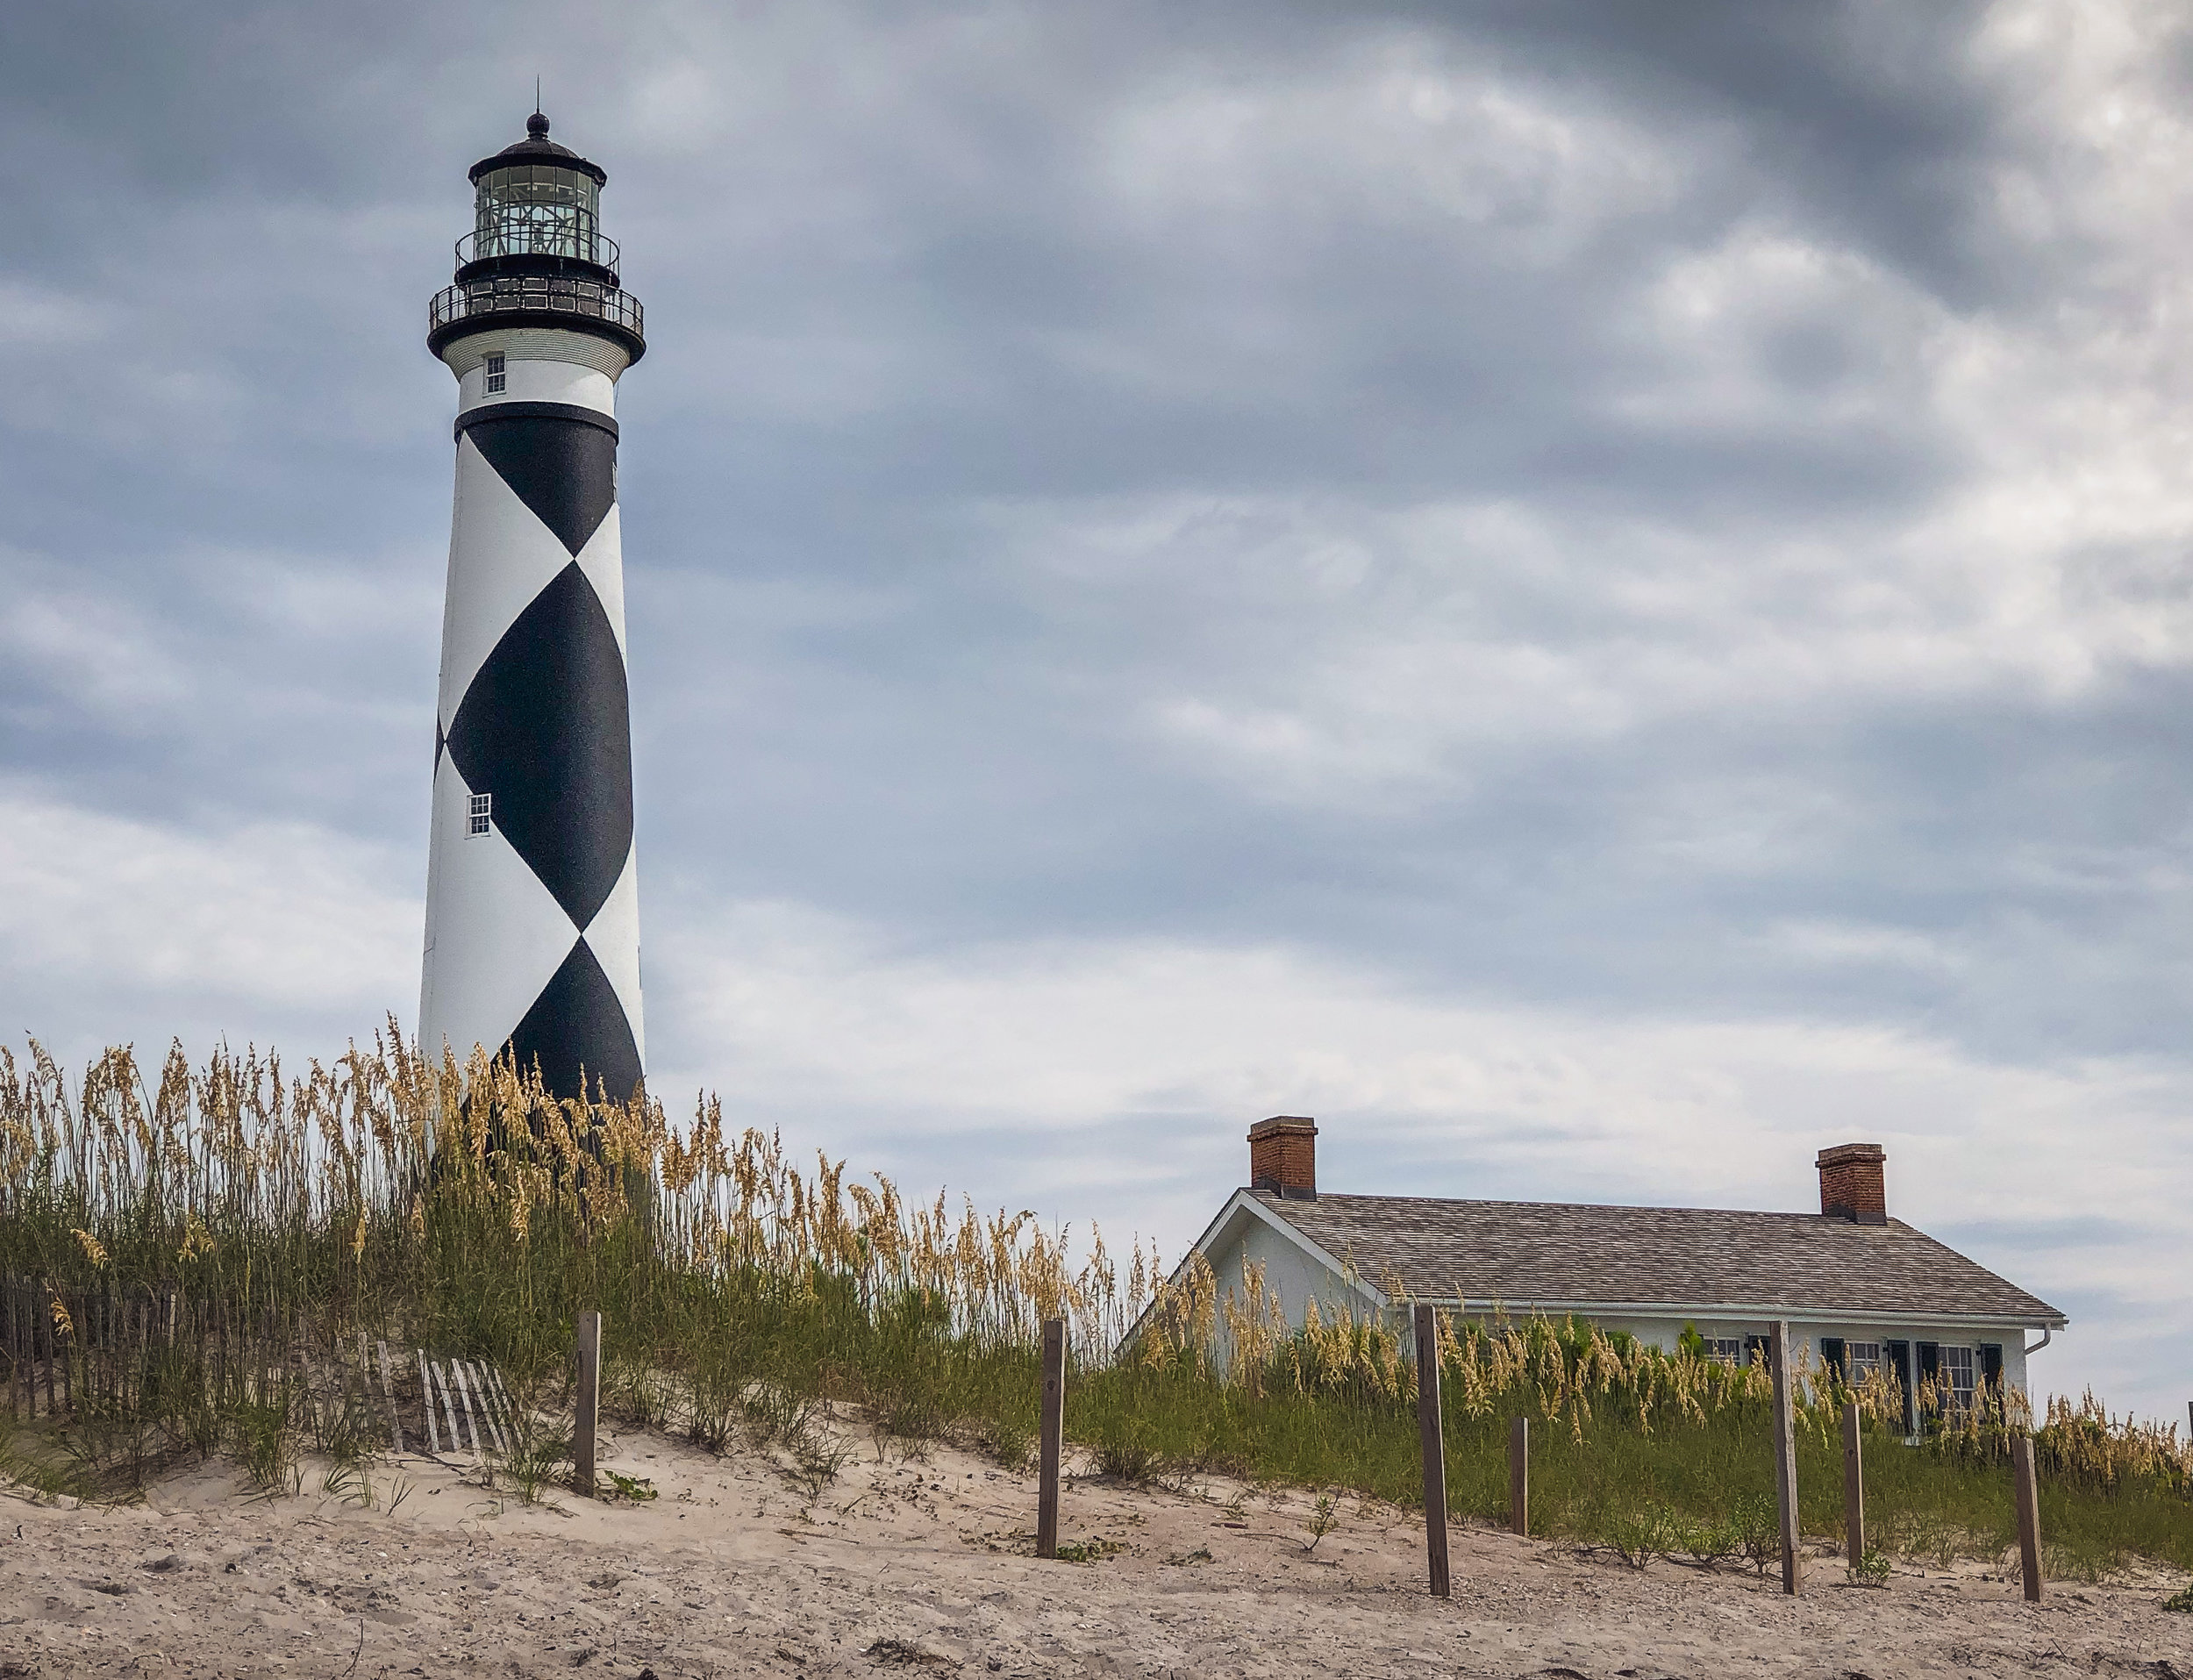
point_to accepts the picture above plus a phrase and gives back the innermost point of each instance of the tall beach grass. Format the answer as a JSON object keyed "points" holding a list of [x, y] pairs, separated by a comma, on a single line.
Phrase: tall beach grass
{"points": [[279, 1214]]}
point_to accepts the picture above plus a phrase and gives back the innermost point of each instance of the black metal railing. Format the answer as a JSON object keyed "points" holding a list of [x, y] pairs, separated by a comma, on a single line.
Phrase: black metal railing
{"points": [[537, 294], [515, 238]]}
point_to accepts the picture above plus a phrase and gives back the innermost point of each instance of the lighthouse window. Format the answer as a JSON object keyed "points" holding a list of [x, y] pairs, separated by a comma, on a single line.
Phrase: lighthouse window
{"points": [[482, 808], [498, 379]]}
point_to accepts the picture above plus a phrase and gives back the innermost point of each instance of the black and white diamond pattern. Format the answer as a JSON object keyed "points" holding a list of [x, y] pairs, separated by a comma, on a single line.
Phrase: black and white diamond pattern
{"points": [[544, 731], [533, 929]]}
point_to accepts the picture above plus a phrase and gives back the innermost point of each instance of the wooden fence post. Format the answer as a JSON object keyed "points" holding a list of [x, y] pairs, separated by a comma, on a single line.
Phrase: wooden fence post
{"points": [[590, 1401], [1785, 1455], [1053, 1437], [2028, 1514], [1433, 1440], [1519, 1474], [1853, 1489]]}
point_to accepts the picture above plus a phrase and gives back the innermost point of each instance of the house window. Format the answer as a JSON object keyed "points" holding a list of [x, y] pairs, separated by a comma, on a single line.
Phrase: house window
{"points": [[1728, 1349], [497, 379], [1864, 1357], [1956, 1376], [482, 809]]}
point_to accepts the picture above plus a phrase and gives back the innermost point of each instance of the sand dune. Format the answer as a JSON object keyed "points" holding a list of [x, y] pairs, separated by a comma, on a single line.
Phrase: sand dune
{"points": [[927, 1565]]}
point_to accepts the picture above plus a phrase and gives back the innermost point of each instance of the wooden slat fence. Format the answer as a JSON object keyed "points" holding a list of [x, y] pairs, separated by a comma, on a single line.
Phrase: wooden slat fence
{"points": [[67, 1351]]}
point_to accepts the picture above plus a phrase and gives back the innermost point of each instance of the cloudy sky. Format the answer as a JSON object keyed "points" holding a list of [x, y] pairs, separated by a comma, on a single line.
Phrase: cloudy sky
{"points": [[1596, 596]]}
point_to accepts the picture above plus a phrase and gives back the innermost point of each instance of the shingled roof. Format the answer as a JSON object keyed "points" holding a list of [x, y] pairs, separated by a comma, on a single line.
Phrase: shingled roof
{"points": [[1559, 1255]]}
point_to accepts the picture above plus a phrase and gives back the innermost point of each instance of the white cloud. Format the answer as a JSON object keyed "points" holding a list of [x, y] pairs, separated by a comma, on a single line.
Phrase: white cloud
{"points": [[1313, 650], [1398, 129], [247, 929], [1867, 944], [37, 317]]}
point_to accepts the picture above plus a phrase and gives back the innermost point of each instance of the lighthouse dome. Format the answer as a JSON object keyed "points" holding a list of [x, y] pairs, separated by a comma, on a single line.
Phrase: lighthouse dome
{"points": [[537, 147]]}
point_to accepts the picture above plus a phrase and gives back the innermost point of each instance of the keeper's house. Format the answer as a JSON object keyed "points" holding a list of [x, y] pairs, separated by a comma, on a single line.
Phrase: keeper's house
{"points": [[1856, 1287]]}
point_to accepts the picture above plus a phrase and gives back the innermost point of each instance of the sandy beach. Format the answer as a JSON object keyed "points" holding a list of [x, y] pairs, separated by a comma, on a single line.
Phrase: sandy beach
{"points": [[927, 1565]]}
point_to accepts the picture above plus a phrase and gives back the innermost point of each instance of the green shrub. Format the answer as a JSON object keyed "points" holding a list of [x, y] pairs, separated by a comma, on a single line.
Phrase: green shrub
{"points": [[1871, 1570]]}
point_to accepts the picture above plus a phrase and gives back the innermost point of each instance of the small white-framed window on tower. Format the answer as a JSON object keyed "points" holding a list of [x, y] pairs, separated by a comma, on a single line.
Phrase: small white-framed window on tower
{"points": [[476, 821], [498, 375]]}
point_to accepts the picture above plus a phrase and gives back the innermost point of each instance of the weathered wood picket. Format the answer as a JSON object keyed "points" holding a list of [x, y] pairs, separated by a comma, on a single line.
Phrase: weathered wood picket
{"points": [[84, 1354]]}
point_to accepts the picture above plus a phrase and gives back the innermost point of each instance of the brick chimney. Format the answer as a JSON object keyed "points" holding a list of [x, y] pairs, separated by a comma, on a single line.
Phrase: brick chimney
{"points": [[1853, 1183], [1283, 1156]]}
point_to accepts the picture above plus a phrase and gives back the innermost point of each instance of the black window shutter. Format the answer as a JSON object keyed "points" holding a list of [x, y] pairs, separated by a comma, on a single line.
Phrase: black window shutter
{"points": [[1899, 1357], [1930, 1363], [1753, 1346], [1991, 1369], [1832, 1357]]}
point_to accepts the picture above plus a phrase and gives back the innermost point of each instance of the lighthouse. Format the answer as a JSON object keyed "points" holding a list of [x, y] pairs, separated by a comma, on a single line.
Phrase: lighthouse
{"points": [[532, 897]]}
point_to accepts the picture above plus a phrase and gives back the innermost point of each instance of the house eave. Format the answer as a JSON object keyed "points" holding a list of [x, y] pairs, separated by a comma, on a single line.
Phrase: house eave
{"points": [[1722, 1310]]}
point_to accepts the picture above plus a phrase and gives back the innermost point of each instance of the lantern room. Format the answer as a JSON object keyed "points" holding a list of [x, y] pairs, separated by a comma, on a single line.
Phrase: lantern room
{"points": [[537, 199], [536, 256]]}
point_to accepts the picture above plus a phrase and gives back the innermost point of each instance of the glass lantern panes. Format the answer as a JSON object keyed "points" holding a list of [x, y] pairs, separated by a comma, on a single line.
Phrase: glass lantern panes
{"points": [[536, 209]]}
